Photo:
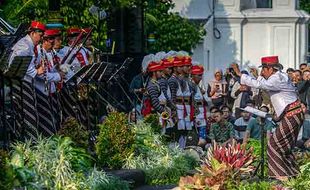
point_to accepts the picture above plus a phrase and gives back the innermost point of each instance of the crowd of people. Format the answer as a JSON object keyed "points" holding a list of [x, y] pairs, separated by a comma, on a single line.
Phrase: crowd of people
{"points": [[171, 86], [222, 118], [40, 100]]}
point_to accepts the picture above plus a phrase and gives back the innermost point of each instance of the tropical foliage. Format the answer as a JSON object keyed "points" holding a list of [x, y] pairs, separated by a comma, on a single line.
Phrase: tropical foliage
{"points": [[77, 133], [171, 31], [162, 165], [114, 143], [55, 163], [222, 167]]}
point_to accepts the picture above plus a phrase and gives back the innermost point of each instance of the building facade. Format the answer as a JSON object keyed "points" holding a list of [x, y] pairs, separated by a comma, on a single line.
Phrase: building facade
{"points": [[243, 31]]}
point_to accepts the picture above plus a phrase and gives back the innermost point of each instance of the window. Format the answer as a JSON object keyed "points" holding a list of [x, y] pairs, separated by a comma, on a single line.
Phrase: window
{"points": [[264, 3]]}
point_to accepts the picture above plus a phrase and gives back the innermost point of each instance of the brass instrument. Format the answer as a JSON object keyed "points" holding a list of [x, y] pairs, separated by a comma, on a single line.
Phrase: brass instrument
{"points": [[165, 115], [83, 90]]}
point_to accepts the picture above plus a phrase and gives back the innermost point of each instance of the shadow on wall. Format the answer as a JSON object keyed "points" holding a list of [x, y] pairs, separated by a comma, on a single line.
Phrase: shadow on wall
{"points": [[219, 48]]}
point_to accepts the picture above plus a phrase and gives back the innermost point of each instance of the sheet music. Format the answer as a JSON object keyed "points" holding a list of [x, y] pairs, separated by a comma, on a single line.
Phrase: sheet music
{"points": [[259, 113], [255, 111]]}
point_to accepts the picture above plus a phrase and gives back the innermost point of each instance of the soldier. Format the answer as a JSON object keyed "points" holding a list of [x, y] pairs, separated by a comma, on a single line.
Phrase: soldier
{"points": [[45, 86], [199, 104], [24, 104]]}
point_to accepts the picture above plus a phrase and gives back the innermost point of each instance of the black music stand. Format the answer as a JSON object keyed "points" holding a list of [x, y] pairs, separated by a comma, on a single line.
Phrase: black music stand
{"points": [[76, 77], [16, 71]]}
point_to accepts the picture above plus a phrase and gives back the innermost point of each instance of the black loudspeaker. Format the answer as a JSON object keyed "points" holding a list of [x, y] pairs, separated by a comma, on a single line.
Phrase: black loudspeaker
{"points": [[54, 5], [125, 27]]}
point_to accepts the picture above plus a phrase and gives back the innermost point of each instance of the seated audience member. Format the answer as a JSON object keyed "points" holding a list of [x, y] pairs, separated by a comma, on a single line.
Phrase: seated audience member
{"points": [[217, 89], [227, 114], [253, 129], [290, 72], [210, 121], [241, 124], [303, 66], [221, 131]]}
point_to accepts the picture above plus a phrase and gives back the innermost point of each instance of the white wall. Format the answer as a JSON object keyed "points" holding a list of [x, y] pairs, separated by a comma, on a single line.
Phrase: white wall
{"points": [[248, 34]]}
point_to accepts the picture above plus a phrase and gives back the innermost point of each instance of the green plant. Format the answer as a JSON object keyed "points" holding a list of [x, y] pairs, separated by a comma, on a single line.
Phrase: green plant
{"points": [[221, 169], [153, 120], [172, 32], [302, 181], [98, 180], [263, 185], [114, 143], [161, 164], [6, 179], [256, 146], [78, 133], [51, 163]]}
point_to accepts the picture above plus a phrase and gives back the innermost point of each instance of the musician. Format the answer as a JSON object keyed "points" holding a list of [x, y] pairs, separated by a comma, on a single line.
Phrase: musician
{"points": [[289, 112], [24, 104], [73, 97], [176, 84], [167, 63], [45, 85], [88, 48], [72, 34], [200, 105], [153, 89]]}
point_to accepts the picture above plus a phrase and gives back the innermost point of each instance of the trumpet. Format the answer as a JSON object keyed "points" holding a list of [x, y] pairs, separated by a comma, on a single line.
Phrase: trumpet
{"points": [[165, 115]]}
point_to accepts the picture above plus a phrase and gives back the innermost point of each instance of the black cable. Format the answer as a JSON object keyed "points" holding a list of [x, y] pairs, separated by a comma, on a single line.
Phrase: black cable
{"points": [[216, 32]]}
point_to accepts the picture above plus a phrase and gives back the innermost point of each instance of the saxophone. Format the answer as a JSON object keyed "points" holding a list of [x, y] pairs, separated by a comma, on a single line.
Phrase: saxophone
{"points": [[44, 64]]}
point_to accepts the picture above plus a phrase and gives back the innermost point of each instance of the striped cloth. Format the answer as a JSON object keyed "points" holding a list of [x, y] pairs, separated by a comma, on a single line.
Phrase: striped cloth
{"points": [[46, 123], [68, 100], [173, 85], [26, 117], [153, 90], [56, 109], [281, 161]]}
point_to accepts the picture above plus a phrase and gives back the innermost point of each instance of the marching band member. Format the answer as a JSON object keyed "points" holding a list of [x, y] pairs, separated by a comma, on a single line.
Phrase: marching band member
{"points": [[167, 63], [88, 49], [200, 104], [45, 86], [139, 86], [24, 104], [153, 89], [165, 118], [178, 87]]}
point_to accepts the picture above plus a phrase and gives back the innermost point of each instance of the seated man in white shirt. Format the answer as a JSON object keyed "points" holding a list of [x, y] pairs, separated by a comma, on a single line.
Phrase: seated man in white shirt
{"points": [[241, 124]]}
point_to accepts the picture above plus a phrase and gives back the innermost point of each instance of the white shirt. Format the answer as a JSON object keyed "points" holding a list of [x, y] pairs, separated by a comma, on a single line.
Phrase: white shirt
{"points": [[25, 47], [280, 88], [51, 75]]}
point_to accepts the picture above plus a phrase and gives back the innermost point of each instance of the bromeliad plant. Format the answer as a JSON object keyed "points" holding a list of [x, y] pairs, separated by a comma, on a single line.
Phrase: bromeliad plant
{"points": [[223, 165]]}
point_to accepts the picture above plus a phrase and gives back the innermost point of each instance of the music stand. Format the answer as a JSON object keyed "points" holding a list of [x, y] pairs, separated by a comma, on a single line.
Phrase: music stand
{"points": [[16, 71], [76, 77]]}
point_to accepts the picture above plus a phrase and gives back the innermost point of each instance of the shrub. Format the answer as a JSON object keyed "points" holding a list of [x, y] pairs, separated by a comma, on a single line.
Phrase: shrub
{"points": [[114, 143], [78, 133], [161, 164]]}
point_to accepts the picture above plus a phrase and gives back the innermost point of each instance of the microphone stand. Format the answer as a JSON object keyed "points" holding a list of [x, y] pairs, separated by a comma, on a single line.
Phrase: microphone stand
{"points": [[261, 163]]}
